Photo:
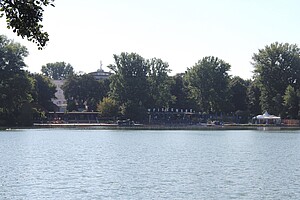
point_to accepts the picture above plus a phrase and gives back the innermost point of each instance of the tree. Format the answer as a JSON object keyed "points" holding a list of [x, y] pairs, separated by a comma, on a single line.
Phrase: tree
{"points": [[291, 102], [43, 92], [180, 93], [82, 91], [25, 17], [108, 107], [253, 98], [159, 83], [238, 93], [25, 115], [104, 88], [275, 67], [58, 70], [207, 82], [129, 85], [15, 84]]}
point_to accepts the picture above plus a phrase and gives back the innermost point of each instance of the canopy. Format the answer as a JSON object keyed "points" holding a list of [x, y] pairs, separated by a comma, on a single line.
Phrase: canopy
{"points": [[266, 115], [266, 118]]}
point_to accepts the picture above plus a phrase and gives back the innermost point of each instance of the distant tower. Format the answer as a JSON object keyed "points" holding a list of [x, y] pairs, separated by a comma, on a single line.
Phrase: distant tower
{"points": [[101, 66], [100, 74]]}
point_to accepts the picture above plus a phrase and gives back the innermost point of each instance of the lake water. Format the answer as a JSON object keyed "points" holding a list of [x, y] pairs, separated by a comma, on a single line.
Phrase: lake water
{"points": [[116, 164]]}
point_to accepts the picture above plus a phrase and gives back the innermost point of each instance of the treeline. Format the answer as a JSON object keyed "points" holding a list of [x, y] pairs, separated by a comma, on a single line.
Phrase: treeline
{"points": [[139, 84], [23, 95]]}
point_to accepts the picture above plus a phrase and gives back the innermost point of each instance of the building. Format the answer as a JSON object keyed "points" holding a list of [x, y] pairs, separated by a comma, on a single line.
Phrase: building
{"points": [[60, 100], [100, 74], [266, 118]]}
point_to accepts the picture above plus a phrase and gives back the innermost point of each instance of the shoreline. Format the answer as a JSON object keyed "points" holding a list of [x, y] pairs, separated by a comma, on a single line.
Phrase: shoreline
{"points": [[107, 126], [169, 127]]}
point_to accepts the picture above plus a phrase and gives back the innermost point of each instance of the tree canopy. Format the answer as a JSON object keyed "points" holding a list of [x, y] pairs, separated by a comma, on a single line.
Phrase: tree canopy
{"points": [[108, 107], [22, 95], [139, 84], [57, 70], [208, 82], [43, 92], [25, 17], [81, 92], [15, 85], [238, 94], [276, 67], [129, 84], [253, 98], [180, 93], [159, 83], [291, 102]]}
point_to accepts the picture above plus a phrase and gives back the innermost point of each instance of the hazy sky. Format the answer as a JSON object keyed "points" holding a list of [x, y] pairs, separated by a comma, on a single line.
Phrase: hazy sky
{"points": [[180, 32]]}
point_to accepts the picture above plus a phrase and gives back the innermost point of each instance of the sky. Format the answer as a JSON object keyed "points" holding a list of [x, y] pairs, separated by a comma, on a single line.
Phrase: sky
{"points": [[180, 32]]}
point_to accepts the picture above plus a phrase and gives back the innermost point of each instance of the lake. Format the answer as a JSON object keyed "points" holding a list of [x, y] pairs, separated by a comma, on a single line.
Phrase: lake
{"points": [[126, 164]]}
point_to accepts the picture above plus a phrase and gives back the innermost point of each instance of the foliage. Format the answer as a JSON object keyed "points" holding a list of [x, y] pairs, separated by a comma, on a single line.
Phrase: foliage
{"points": [[208, 82], [15, 84], [129, 85], [25, 116], [71, 105], [12, 56], [179, 92], [83, 91], [43, 91], [242, 116], [238, 94], [291, 102], [130, 78], [133, 110], [104, 88], [159, 83], [276, 66], [25, 17], [58, 70], [138, 84], [108, 107], [253, 99]]}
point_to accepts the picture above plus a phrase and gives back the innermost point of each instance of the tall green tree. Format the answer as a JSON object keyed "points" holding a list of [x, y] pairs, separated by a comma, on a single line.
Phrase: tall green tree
{"points": [[129, 85], [108, 107], [291, 102], [253, 98], [180, 93], [25, 17], [159, 84], [43, 92], [15, 84], [208, 82], [58, 70], [238, 93], [275, 67], [82, 91], [104, 88]]}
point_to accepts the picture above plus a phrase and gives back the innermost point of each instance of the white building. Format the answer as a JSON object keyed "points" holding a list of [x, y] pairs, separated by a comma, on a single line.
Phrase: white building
{"points": [[100, 74], [60, 100], [266, 118]]}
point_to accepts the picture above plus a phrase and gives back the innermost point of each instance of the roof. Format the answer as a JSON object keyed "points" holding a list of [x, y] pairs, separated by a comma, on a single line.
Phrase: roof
{"points": [[266, 115]]}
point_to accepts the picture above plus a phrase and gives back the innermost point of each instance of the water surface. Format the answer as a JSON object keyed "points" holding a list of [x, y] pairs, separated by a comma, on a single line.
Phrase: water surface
{"points": [[116, 164]]}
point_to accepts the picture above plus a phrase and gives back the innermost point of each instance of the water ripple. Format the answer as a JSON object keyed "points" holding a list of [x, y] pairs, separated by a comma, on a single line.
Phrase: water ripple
{"points": [[103, 164]]}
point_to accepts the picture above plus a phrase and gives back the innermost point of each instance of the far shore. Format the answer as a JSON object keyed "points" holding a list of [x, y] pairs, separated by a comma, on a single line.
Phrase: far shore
{"points": [[170, 126], [262, 127]]}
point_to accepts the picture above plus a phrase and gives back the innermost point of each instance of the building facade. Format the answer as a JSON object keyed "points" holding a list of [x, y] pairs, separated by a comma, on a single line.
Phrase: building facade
{"points": [[100, 74], [60, 100]]}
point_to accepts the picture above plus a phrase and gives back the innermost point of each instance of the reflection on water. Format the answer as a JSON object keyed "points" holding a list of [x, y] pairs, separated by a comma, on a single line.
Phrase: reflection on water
{"points": [[115, 164]]}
